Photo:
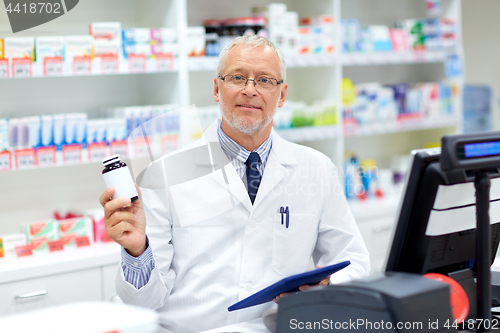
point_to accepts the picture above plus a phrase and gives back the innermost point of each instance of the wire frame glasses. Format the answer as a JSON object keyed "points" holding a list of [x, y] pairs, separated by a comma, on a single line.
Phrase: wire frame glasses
{"points": [[260, 83]]}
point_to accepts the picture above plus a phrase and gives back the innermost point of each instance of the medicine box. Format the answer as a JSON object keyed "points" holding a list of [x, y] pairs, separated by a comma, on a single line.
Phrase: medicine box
{"points": [[196, 41], [105, 30], [4, 134], [77, 46], [163, 35], [48, 47], [106, 47], [10, 241], [70, 229], [40, 233], [136, 35], [19, 47]]}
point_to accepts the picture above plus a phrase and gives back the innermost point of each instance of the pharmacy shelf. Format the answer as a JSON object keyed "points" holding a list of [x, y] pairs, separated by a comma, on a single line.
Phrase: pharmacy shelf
{"points": [[34, 266], [304, 134], [399, 126], [347, 59], [197, 64], [392, 58], [97, 66]]}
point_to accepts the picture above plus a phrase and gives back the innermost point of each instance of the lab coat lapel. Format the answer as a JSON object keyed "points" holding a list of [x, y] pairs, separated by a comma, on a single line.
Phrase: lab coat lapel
{"points": [[225, 175], [281, 155]]}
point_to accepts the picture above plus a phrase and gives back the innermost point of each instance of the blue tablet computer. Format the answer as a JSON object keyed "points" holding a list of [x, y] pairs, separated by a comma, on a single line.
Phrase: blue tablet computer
{"points": [[288, 284]]}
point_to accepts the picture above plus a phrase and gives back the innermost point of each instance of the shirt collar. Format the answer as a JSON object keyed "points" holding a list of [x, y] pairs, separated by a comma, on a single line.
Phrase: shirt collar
{"points": [[234, 151]]}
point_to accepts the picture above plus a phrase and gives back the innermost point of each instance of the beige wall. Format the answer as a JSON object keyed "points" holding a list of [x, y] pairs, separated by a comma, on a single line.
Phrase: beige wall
{"points": [[481, 38]]}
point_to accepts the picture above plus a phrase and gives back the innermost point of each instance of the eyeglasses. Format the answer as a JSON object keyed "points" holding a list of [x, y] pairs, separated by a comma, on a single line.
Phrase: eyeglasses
{"points": [[240, 82]]}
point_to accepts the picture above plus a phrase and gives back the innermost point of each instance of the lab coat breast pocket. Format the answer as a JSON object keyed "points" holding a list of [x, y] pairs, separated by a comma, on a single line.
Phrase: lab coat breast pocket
{"points": [[293, 246]]}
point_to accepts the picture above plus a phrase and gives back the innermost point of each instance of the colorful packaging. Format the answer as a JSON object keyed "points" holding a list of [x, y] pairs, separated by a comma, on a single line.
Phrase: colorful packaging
{"points": [[137, 48], [106, 47], [70, 229], [19, 47], [414, 28], [291, 36], [400, 39], [10, 241], [276, 21], [100, 231], [35, 137], [196, 41], [325, 22], [40, 233], [163, 35], [105, 30], [77, 46], [304, 40], [1, 49], [48, 47], [164, 48], [1, 248], [351, 35], [4, 134], [47, 130], [58, 130], [136, 35]]}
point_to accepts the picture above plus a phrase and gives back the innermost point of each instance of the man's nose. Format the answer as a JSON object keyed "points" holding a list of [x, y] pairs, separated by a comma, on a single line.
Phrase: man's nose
{"points": [[250, 88]]}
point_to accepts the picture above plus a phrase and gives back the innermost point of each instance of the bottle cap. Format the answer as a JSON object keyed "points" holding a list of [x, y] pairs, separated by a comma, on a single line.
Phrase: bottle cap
{"points": [[111, 159]]}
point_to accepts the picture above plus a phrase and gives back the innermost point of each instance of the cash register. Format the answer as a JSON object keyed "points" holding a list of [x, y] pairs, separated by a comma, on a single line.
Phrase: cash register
{"points": [[448, 222]]}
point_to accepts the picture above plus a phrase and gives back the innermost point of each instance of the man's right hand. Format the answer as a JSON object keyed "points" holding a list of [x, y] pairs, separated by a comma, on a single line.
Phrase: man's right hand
{"points": [[125, 221]]}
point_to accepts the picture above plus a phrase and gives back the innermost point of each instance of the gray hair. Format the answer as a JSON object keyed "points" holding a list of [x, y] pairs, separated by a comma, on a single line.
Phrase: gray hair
{"points": [[252, 41]]}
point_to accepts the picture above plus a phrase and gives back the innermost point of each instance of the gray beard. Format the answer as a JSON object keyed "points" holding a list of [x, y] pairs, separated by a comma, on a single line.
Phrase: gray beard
{"points": [[239, 125]]}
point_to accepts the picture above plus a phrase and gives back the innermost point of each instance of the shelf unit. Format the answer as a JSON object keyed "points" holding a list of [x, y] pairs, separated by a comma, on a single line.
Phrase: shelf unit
{"points": [[33, 194]]}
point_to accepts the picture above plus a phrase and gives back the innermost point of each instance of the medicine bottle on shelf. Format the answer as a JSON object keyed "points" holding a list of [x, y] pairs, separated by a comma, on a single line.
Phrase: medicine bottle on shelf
{"points": [[116, 174]]}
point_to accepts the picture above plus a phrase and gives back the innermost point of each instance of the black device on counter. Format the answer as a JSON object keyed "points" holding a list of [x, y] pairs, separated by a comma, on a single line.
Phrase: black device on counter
{"points": [[395, 302], [435, 232]]}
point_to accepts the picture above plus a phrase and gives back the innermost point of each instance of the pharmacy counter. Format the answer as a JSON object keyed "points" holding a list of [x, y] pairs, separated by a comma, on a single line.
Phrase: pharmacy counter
{"points": [[80, 274]]}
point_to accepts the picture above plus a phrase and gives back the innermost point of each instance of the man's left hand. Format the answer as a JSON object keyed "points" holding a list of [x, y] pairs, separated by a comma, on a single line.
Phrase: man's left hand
{"points": [[324, 282]]}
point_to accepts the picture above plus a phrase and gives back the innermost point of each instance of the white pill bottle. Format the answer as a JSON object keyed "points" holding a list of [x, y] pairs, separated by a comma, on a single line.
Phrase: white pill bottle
{"points": [[116, 174]]}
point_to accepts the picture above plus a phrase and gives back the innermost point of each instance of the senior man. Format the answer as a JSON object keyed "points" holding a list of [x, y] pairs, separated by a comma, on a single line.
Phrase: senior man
{"points": [[192, 272]]}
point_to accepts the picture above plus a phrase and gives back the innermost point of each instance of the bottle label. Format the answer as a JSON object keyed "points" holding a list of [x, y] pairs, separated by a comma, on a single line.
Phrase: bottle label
{"points": [[122, 181]]}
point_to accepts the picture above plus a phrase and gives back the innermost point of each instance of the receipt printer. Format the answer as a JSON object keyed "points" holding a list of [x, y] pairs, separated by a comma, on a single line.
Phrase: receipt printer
{"points": [[393, 302]]}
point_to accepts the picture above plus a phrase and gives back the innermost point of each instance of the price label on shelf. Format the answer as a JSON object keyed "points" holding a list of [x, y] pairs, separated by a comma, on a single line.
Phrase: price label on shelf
{"points": [[350, 126], [23, 250], [120, 148], [4, 68], [82, 65], [46, 156], [164, 62], [97, 151], [21, 67], [109, 64], [56, 245], [72, 153], [25, 158], [5, 160], [53, 66], [169, 143], [82, 241], [136, 63]]}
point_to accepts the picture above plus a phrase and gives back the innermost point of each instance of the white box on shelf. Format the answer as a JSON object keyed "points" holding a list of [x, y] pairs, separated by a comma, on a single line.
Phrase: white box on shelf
{"points": [[105, 30], [19, 47], [48, 47], [77, 46]]}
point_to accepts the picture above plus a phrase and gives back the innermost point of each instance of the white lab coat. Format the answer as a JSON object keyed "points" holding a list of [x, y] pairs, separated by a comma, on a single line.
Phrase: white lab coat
{"points": [[207, 262]]}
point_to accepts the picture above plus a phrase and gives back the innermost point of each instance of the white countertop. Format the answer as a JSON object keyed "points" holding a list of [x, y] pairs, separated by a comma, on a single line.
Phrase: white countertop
{"points": [[99, 254]]}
